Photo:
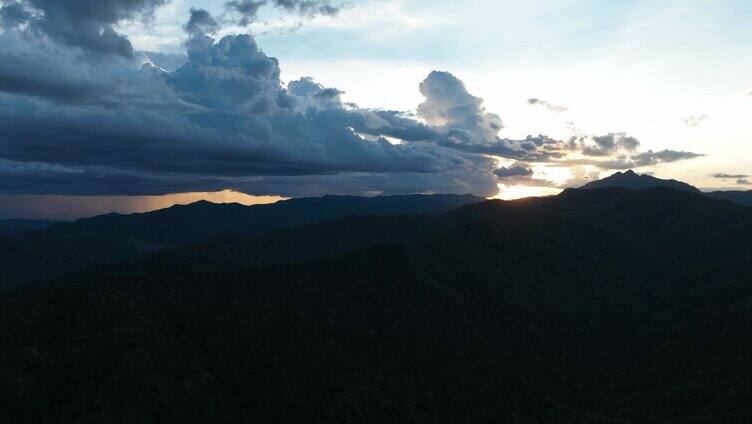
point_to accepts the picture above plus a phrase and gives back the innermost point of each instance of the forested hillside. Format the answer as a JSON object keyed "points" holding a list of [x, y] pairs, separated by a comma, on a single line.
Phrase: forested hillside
{"points": [[594, 306], [112, 238]]}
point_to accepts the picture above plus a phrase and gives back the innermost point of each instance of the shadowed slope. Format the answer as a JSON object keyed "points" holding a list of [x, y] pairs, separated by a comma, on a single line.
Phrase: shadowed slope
{"points": [[741, 197], [594, 306], [630, 179], [18, 226], [111, 238]]}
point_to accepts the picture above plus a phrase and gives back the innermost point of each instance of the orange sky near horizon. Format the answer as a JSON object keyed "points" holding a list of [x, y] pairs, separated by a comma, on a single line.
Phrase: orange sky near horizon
{"points": [[68, 208]]}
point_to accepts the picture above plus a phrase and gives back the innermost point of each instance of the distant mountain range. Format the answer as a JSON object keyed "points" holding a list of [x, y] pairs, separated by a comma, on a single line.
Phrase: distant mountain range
{"points": [[17, 226], [110, 238], [740, 197], [632, 180], [606, 305], [42, 249]]}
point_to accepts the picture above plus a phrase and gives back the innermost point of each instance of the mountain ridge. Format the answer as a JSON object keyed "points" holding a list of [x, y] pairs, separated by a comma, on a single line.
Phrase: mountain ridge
{"points": [[632, 180], [593, 306], [737, 196], [18, 226], [65, 247]]}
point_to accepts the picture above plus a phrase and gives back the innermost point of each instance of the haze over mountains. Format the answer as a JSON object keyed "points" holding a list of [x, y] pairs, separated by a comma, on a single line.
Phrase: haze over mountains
{"points": [[601, 305]]}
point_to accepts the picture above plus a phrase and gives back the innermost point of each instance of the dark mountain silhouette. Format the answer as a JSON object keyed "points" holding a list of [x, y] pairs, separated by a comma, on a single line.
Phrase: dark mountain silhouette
{"points": [[17, 226], [595, 306], [741, 197], [110, 238], [631, 179], [289, 244]]}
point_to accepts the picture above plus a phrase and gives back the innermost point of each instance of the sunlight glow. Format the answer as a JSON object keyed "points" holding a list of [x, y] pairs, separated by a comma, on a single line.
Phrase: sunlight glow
{"points": [[556, 175], [65, 208], [521, 191]]}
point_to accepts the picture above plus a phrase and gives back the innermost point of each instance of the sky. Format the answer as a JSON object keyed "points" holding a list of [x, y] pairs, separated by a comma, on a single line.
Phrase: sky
{"points": [[131, 105]]}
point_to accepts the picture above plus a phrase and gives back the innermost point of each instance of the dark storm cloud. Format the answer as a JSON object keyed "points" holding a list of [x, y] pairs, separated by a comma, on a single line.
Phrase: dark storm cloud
{"points": [[201, 22], [468, 139], [44, 178], [743, 181], [604, 145], [308, 7], [42, 77], [168, 62], [513, 171], [89, 25], [549, 106], [220, 117], [13, 14], [457, 181], [246, 9], [221, 120], [307, 87]]}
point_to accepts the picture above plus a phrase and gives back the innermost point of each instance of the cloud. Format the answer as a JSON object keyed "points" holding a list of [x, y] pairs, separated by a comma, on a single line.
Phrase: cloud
{"points": [[307, 87], [201, 22], [43, 77], [664, 156], [221, 120], [219, 117], [167, 62], [308, 7], [694, 120], [521, 174], [621, 162], [725, 176], [13, 14], [619, 151], [458, 120], [516, 170], [549, 106], [88, 25], [449, 105], [604, 145], [246, 11], [740, 179], [454, 118]]}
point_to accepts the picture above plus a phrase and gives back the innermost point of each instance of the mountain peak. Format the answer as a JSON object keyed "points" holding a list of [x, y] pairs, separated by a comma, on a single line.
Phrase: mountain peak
{"points": [[632, 180]]}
